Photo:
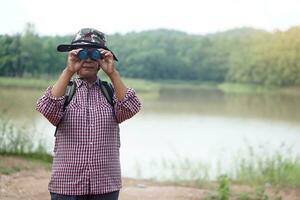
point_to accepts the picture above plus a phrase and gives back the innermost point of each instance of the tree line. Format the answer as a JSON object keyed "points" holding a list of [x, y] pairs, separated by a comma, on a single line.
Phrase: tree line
{"points": [[244, 55]]}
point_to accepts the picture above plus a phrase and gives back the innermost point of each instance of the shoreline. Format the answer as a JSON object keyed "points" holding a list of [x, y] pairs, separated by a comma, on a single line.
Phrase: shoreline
{"points": [[148, 86]]}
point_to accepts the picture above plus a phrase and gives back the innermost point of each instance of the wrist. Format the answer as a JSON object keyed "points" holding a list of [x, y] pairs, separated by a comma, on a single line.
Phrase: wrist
{"points": [[68, 72], [115, 75]]}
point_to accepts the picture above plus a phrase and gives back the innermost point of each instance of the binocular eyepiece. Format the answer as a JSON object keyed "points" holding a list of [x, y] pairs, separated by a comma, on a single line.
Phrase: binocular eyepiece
{"points": [[94, 54]]}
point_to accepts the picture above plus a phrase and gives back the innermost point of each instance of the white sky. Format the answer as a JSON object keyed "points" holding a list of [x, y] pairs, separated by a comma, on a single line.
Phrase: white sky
{"points": [[192, 16]]}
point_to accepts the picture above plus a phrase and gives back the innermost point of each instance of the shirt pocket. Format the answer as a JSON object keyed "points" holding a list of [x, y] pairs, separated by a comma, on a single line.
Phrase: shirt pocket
{"points": [[73, 105]]}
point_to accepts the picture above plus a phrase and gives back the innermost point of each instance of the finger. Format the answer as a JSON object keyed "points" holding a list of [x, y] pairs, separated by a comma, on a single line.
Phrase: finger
{"points": [[72, 54], [75, 51], [103, 51], [107, 55]]}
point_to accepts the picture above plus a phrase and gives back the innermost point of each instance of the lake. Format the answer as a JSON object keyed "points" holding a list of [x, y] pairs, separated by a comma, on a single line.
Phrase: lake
{"points": [[192, 125]]}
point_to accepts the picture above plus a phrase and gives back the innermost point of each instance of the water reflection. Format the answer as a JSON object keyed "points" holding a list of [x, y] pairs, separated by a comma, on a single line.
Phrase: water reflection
{"points": [[274, 106]]}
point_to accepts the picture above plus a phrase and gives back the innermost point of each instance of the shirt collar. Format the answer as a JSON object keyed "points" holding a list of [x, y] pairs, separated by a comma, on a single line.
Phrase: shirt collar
{"points": [[79, 82]]}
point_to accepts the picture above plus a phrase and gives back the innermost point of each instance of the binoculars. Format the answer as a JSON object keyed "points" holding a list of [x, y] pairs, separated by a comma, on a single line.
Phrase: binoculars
{"points": [[94, 54]]}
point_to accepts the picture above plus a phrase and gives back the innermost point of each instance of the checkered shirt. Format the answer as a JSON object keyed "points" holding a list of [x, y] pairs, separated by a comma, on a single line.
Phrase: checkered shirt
{"points": [[86, 152]]}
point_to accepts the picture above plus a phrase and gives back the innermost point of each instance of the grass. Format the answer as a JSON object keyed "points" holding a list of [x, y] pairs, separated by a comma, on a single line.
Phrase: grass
{"points": [[8, 170], [148, 86], [223, 192], [183, 171], [17, 141], [25, 82], [262, 174], [258, 168]]}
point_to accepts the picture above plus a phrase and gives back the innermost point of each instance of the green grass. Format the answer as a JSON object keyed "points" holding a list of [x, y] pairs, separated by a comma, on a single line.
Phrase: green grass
{"points": [[17, 142], [255, 171], [148, 86], [25, 82], [183, 171], [223, 192], [264, 168], [9, 170], [257, 167]]}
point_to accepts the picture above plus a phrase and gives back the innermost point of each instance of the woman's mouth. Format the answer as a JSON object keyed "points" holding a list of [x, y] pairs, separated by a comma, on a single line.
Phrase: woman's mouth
{"points": [[89, 66]]}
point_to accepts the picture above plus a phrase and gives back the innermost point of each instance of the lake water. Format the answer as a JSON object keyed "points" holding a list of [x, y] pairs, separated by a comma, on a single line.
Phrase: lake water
{"points": [[199, 126]]}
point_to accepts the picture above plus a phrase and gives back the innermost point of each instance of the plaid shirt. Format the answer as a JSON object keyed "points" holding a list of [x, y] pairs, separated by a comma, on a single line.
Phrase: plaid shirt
{"points": [[86, 152]]}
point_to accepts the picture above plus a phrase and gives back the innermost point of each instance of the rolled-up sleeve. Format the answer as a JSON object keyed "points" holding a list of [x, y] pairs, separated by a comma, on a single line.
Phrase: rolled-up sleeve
{"points": [[127, 107], [51, 107]]}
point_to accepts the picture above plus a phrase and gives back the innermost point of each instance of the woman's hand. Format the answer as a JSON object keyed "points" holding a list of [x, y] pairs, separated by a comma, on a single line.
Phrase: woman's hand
{"points": [[74, 63], [107, 62]]}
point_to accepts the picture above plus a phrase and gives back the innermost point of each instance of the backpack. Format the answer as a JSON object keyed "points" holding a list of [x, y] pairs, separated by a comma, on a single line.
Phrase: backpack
{"points": [[105, 87]]}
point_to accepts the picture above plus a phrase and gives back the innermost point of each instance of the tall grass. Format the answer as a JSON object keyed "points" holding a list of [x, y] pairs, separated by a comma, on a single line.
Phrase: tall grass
{"points": [[183, 170], [257, 167], [17, 141], [277, 168]]}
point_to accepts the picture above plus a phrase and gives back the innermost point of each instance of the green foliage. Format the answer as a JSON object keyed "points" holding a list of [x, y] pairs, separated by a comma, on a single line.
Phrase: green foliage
{"points": [[244, 196], [241, 55], [223, 188], [260, 194]]}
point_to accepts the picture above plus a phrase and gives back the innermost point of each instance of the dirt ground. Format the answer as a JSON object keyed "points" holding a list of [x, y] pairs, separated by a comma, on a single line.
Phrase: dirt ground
{"points": [[31, 180]]}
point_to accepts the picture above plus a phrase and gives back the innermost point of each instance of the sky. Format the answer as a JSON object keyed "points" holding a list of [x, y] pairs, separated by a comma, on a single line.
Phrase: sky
{"points": [[61, 17]]}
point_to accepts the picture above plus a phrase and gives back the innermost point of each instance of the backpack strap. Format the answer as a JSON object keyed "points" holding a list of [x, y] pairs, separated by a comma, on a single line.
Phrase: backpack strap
{"points": [[108, 91], [70, 91]]}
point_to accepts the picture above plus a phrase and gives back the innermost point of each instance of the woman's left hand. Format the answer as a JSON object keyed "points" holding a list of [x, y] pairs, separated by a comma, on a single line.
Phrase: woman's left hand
{"points": [[107, 62]]}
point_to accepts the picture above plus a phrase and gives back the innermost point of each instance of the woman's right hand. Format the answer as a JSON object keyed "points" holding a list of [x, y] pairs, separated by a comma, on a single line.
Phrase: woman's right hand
{"points": [[74, 63]]}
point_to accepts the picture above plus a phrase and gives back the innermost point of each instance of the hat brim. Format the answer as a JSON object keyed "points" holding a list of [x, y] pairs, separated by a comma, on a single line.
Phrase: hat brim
{"points": [[70, 47]]}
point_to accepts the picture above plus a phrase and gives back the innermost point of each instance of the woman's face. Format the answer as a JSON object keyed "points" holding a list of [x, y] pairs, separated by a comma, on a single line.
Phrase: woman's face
{"points": [[89, 70]]}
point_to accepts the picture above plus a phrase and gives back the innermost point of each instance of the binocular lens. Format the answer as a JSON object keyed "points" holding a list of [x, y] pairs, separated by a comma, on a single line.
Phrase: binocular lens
{"points": [[93, 54], [83, 54]]}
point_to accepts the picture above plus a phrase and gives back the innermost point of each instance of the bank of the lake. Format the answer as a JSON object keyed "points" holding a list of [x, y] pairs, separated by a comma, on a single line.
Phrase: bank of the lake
{"points": [[148, 86]]}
